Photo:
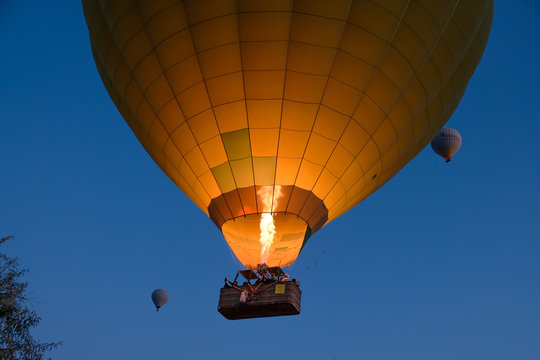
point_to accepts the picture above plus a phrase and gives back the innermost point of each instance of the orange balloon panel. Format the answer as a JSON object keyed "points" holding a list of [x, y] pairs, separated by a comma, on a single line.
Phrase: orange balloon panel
{"points": [[325, 100]]}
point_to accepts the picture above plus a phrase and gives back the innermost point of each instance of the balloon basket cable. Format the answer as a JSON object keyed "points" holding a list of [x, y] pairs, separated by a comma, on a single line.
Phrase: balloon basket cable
{"points": [[260, 295]]}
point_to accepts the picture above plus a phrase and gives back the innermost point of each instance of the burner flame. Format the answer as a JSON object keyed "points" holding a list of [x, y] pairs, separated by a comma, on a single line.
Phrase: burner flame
{"points": [[270, 196]]}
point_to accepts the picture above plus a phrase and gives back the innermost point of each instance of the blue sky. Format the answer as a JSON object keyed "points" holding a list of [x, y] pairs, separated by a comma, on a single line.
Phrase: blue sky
{"points": [[440, 263]]}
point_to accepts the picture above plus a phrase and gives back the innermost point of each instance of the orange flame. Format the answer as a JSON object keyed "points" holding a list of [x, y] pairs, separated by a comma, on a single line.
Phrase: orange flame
{"points": [[270, 196]]}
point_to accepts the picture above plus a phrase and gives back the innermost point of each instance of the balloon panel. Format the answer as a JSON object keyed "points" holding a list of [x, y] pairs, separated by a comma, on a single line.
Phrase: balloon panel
{"points": [[330, 97]]}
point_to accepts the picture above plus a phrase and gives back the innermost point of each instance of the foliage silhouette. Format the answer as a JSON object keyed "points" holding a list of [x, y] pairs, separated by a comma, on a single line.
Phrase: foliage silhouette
{"points": [[16, 318]]}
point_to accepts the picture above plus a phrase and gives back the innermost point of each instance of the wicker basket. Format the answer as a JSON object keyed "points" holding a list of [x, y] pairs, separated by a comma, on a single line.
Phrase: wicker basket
{"points": [[262, 300]]}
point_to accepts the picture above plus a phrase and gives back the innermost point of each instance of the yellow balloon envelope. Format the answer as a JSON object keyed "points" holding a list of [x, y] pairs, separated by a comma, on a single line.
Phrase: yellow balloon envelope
{"points": [[275, 117]]}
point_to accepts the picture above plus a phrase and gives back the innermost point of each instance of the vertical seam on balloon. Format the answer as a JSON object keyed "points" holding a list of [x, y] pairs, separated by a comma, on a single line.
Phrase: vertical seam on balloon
{"points": [[214, 116], [190, 26], [132, 80], [426, 59], [143, 92], [122, 94], [372, 76], [113, 91], [437, 41], [291, 12], [114, 45], [393, 105], [249, 251], [246, 106], [156, 111], [320, 101], [364, 94], [453, 106], [450, 78]]}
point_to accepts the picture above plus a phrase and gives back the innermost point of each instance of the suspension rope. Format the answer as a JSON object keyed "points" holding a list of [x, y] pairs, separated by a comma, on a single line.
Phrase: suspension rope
{"points": [[235, 260], [323, 252]]}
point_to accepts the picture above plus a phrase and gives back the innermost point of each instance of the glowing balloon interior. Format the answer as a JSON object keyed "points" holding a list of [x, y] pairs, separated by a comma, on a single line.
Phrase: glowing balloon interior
{"points": [[276, 117]]}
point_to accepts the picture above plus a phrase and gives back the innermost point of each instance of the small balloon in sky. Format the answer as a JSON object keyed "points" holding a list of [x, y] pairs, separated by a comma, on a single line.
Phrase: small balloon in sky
{"points": [[160, 298], [447, 143]]}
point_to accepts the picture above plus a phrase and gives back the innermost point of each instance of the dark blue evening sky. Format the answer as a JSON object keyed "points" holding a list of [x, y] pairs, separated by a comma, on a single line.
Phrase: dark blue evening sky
{"points": [[443, 262]]}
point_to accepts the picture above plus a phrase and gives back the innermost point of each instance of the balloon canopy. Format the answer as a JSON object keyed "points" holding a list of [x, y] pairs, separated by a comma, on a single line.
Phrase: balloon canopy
{"points": [[275, 117], [159, 297], [447, 143]]}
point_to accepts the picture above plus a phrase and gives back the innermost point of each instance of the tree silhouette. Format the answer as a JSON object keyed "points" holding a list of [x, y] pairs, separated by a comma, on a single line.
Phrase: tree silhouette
{"points": [[16, 319]]}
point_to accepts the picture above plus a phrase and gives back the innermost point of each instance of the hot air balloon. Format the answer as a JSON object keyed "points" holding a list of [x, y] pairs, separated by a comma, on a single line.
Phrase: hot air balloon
{"points": [[447, 143], [276, 117], [159, 298]]}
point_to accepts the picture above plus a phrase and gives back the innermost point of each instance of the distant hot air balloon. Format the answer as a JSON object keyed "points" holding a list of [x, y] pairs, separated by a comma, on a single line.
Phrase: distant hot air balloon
{"points": [[160, 298], [276, 117], [447, 143]]}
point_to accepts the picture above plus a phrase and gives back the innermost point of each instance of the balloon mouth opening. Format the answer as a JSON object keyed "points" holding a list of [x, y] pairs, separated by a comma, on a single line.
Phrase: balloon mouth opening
{"points": [[277, 245], [267, 223]]}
